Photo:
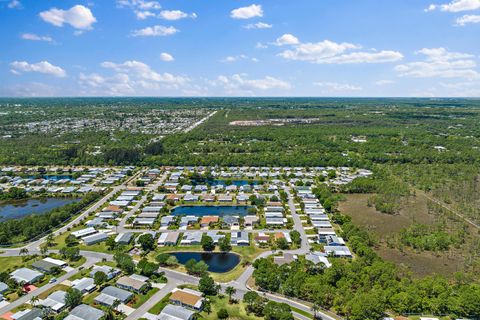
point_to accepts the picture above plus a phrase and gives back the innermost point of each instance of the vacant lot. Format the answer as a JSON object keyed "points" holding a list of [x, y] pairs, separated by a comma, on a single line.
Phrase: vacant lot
{"points": [[385, 226]]}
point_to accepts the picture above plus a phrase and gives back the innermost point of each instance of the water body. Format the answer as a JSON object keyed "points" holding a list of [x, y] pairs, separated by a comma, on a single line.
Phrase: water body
{"points": [[216, 261], [201, 211], [215, 182], [24, 208]]}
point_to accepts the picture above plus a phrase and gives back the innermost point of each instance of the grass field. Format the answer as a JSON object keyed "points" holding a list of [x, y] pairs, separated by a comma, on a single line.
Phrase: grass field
{"points": [[9, 264], [156, 309], [235, 311], [382, 226]]}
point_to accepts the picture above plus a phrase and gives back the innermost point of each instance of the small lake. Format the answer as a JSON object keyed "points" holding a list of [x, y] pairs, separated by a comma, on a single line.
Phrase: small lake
{"points": [[201, 211], [23, 208], [216, 261], [214, 182]]}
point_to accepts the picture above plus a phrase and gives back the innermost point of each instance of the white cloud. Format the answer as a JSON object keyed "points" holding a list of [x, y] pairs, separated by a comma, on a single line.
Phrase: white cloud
{"points": [[144, 72], [456, 6], [78, 16], [287, 39], [155, 31], [384, 82], [35, 37], [14, 4], [255, 10], [139, 4], [440, 63], [142, 15], [329, 52], [175, 15], [258, 25], [337, 87], [239, 84], [166, 57], [238, 58], [260, 45], [467, 19], [44, 67]]}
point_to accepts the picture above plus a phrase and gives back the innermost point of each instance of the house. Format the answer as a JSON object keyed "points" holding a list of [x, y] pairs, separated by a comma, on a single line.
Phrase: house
{"points": [[322, 224], [96, 222], [191, 238], [225, 198], [191, 198], [133, 283], [95, 238], [168, 239], [285, 235], [174, 312], [44, 266], [324, 233], [231, 221], [167, 221], [186, 221], [109, 271], [3, 287], [239, 238], [242, 198], [28, 314], [215, 236], [84, 232], [208, 220], [85, 312], [317, 258], [274, 221], [55, 301], [187, 298], [335, 241], [209, 198], [250, 221], [26, 275], [84, 285], [124, 238], [262, 237], [338, 251], [287, 258], [110, 294]]}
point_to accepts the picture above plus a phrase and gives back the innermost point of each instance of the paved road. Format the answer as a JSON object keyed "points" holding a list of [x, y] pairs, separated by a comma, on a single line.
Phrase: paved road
{"points": [[139, 312], [196, 124]]}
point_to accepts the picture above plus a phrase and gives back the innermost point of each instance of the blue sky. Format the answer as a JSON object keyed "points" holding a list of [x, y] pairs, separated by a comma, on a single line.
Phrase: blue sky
{"points": [[240, 48]]}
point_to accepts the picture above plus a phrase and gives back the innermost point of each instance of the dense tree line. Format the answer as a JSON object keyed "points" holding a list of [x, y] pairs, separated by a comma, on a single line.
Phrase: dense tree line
{"points": [[28, 228]]}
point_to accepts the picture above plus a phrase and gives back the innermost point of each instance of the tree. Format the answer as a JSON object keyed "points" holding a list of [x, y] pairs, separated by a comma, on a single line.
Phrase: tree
{"points": [[154, 148], [230, 291], [100, 278], [147, 242], [147, 268], [71, 240], [34, 300], [111, 244], [249, 298], [49, 240], [224, 244], [43, 249], [162, 258], [207, 243], [296, 237], [124, 262], [70, 253], [73, 297], [207, 286], [110, 312], [207, 306], [282, 244], [222, 314], [23, 251], [277, 311]]}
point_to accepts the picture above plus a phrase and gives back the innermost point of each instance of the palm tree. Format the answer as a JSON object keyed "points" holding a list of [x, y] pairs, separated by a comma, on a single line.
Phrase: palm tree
{"points": [[230, 291], [110, 313], [34, 301], [314, 309], [207, 306], [43, 250], [49, 239]]}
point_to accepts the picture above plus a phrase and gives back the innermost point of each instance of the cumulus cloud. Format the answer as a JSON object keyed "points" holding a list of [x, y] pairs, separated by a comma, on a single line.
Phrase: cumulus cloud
{"points": [[441, 63], [456, 6], [467, 19], [258, 25], [44, 67], [337, 87], [131, 78], [142, 9], [287, 39], [255, 10], [329, 52], [166, 57], [175, 15], [155, 31], [35, 37], [78, 16], [14, 4], [240, 84], [384, 82]]}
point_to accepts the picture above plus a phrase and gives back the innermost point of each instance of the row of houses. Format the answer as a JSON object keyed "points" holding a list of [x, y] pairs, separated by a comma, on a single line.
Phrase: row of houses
{"points": [[238, 238]]}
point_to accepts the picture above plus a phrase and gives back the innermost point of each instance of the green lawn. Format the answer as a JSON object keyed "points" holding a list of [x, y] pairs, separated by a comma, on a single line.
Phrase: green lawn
{"points": [[235, 311], [156, 309], [140, 299], [9, 264]]}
